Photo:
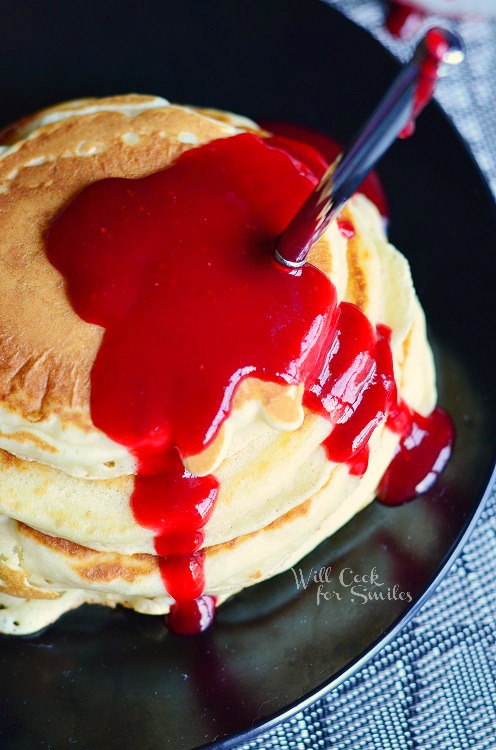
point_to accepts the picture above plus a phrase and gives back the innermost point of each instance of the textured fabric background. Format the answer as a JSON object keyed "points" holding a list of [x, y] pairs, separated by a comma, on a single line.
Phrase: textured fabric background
{"points": [[434, 687]]}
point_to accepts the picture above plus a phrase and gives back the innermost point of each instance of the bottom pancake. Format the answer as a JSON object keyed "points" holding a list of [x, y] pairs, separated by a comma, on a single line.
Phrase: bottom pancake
{"points": [[44, 576]]}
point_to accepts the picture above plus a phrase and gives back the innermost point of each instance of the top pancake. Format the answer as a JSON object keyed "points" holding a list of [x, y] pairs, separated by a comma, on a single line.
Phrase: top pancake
{"points": [[47, 351]]}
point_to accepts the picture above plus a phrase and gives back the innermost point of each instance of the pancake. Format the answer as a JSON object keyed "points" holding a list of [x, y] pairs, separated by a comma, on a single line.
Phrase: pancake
{"points": [[41, 567], [67, 531]]}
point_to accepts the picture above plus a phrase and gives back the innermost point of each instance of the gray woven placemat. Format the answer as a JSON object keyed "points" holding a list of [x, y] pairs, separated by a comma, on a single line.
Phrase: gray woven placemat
{"points": [[434, 686]]}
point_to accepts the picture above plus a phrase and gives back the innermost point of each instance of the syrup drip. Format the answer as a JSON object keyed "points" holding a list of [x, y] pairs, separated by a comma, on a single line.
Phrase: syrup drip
{"points": [[422, 453], [346, 228], [178, 269], [191, 617], [403, 20], [355, 386], [429, 72]]}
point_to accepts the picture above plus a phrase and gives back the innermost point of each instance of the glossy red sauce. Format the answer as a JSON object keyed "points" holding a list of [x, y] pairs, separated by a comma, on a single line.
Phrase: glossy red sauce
{"points": [[436, 46], [355, 387], [356, 390], [404, 20], [320, 151], [421, 455], [178, 269], [191, 617], [346, 228]]}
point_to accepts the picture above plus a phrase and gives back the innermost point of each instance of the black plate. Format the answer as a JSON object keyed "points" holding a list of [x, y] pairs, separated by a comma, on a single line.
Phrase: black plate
{"points": [[105, 679]]}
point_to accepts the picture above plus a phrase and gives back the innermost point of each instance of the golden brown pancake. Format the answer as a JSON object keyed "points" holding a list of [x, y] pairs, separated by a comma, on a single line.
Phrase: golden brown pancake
{"points": [[67, 532]]}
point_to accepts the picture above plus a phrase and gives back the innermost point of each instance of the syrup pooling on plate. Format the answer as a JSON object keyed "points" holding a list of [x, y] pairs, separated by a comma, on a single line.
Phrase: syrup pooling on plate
{"points": [[422, 453], [178, 268]]}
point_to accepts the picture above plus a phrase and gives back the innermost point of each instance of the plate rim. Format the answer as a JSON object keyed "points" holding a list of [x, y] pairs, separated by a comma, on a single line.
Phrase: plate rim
{"points": [[233, 741]]}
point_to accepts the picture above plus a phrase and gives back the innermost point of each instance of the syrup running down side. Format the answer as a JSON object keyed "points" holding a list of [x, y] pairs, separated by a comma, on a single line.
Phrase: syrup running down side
{"points": [[404, 20], [178, 269], [436, 46]]}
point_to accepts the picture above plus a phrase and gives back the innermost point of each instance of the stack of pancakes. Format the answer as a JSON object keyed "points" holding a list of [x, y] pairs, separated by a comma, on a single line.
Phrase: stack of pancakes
{"points": [[67, 531]]}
